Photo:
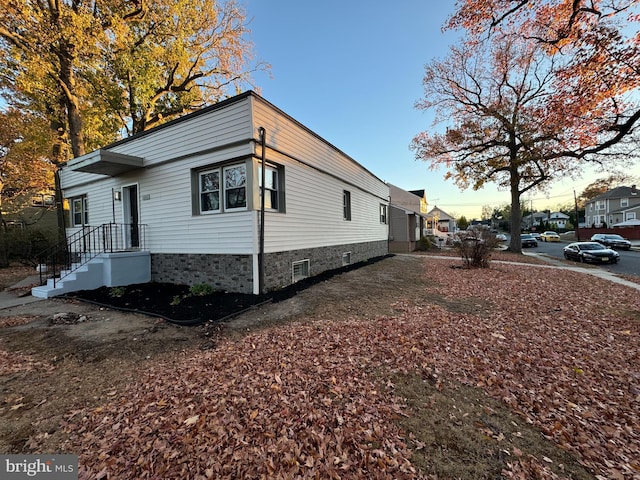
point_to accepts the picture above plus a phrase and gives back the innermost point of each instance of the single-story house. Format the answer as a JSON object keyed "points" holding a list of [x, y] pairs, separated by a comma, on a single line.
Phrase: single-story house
{"points": [[407, 215], [183, 203]]}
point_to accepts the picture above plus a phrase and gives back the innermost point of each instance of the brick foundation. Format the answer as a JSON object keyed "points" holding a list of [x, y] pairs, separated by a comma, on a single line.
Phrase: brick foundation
{"points": [[278, 266], [231, 273], [234, 273]]}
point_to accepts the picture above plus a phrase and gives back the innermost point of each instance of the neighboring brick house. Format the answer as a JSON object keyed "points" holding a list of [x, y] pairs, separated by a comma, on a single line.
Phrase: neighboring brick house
{"points": [[621, 204]]}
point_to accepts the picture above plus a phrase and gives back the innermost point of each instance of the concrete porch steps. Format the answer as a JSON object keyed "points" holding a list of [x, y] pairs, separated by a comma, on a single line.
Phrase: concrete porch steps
{"points": [[107, 269]]}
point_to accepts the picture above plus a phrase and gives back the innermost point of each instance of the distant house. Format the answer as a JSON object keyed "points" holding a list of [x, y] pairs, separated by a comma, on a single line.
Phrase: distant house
{"points": [[182, 203], [559, 219], [407, 214], [439, 221], [618, 205], [533, 220]]}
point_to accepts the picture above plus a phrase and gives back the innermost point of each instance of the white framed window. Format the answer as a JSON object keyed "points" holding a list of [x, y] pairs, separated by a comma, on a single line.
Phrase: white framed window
{"points": [[209, 185], [630, 216], [80, 211], [346, 205], [300, 270], [383, 213], [235, 187], [624, 202], [271, 187]]}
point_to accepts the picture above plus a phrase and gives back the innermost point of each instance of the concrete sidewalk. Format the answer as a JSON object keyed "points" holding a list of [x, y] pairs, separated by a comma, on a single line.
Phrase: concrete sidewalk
{"points": [[11, 296]]}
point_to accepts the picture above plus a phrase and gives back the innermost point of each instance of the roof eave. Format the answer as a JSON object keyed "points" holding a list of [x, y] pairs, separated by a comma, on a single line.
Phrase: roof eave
{"points": [[104, 162]]}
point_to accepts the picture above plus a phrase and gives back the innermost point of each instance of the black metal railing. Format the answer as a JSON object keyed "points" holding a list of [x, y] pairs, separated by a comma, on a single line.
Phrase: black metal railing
{"points": [[87, 243]]}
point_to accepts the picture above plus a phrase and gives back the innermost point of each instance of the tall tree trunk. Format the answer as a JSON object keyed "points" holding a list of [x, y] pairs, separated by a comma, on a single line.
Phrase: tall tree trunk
{"points": [[74, 117], [515, 242]]}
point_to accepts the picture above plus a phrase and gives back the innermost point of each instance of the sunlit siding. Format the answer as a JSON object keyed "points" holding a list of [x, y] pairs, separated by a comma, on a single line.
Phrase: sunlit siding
{"points": [[315, 172], [315, 179], [166, 206], [165, 194], [286, 135], [222, 126]]}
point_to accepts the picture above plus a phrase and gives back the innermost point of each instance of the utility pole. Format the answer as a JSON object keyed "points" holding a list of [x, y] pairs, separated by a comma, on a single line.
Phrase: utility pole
{"points": [[575, 202]]}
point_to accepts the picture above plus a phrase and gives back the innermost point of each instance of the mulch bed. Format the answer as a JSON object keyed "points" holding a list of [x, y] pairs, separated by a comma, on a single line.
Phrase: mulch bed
{"points": [[177, 304]]}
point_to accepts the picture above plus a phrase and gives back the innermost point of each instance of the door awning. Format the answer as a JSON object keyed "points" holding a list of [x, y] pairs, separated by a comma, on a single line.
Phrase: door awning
{"points": [[104, 162]]}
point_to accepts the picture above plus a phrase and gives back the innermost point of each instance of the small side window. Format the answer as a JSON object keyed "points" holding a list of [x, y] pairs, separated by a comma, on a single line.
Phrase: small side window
{"points": [[80, 211], [273, 179], [346, 204], [383, 213]]}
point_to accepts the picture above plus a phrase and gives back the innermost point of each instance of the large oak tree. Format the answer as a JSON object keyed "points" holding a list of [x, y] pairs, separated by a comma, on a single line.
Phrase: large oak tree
{"points": [[599, 42], [97, 68], [536, 88]]}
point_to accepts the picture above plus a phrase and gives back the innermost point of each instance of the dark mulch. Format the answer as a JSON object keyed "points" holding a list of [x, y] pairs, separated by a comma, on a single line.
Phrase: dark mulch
{"points": [[176, 303]]}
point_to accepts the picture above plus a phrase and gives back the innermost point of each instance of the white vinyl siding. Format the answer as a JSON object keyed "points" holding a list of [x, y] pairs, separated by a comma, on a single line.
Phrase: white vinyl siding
{"points": [[316, 176], [288, 136], [204, 132], [314, 216]]}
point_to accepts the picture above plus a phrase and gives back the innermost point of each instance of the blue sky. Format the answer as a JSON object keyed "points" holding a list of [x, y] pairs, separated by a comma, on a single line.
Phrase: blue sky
{"points": [[351, 71]]}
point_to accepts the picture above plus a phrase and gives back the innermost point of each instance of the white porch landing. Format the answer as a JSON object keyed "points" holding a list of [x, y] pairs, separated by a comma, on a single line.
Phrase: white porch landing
{"points": [[105, 270]]}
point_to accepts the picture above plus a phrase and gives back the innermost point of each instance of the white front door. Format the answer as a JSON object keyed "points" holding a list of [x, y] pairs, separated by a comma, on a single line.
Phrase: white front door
{"points": [[131, 216]]}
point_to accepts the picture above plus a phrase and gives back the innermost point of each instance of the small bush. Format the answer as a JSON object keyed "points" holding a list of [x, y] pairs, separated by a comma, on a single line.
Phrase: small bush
{"points": [[475, 247], [201, 289], [116, 292], [423, 244]]}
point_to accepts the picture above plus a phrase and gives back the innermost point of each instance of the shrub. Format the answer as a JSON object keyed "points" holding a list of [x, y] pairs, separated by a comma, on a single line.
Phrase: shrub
{"points": [[24, 244], [423, 244], [116, 292], [201, 289], [475, 247]]}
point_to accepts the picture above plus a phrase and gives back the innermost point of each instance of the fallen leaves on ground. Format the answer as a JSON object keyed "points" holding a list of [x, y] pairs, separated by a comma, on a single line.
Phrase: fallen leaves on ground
{"points": [[17, 320], [310, 400], [14, 362]]}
